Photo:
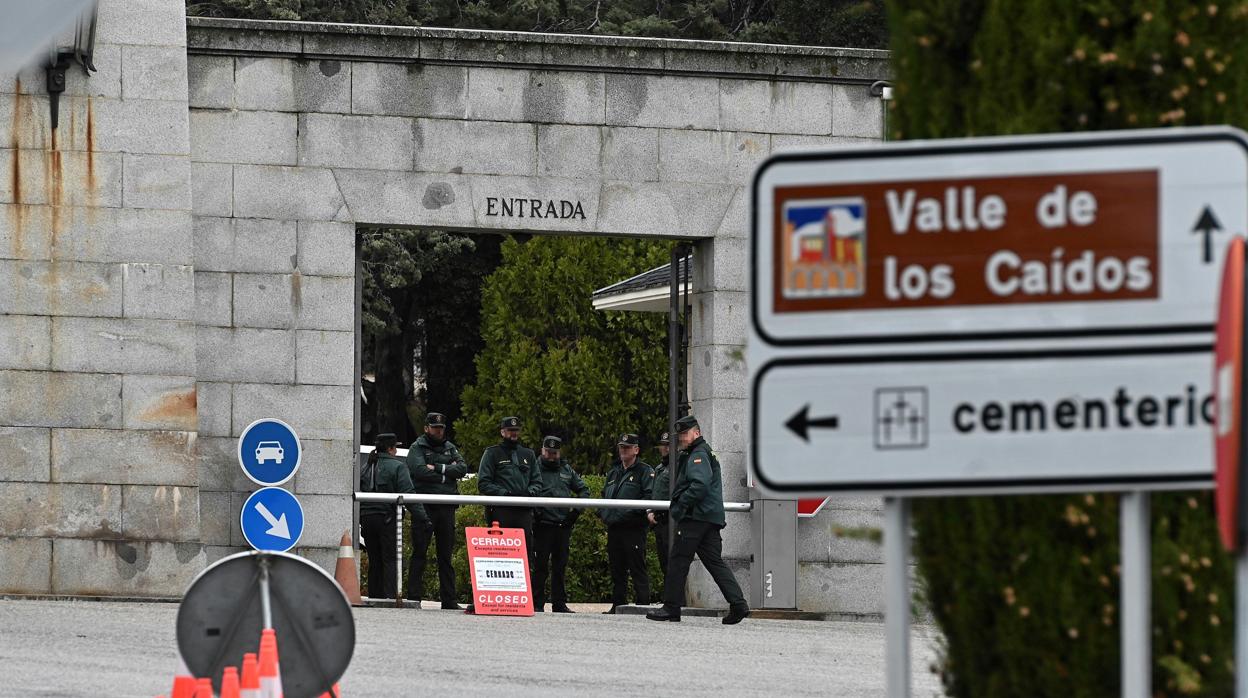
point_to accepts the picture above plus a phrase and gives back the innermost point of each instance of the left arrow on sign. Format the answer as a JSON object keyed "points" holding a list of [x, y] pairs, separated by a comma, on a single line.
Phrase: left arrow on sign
{"points": [[801, 423], [277, 526]]}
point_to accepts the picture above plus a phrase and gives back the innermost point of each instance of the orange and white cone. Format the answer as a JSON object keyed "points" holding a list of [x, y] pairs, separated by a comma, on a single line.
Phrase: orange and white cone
{"points": [[183, 682], [249, 687], [203, 688], [345, 573], [270, 671], [229, 683]]}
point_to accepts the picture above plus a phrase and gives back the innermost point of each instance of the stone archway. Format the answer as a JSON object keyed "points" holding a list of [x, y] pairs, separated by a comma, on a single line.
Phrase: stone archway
{"points": [[245, 154]]}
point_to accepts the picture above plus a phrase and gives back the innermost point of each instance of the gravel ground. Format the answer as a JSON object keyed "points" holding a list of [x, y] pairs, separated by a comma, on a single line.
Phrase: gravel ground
{"points": [[92, 648]]}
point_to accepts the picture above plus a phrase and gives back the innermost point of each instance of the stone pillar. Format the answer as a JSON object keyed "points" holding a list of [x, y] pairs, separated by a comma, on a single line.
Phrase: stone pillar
{"points": [[98, 414], [275, 286], [718, 389]]}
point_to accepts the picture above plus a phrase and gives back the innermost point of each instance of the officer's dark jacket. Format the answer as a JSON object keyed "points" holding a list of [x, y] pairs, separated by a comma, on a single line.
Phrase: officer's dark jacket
{"points": [[448, 466], [392, 477], [509, 471], [636, 482], [699, 493], [559, 480], [662, 487]]}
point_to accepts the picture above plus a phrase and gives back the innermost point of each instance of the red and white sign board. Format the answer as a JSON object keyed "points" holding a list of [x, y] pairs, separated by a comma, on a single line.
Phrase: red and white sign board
{"points": [[498, 564], [1228, 381]]}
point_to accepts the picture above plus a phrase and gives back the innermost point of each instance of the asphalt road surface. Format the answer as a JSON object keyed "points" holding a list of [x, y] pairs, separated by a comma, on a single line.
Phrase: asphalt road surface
{"points": [[92, 648]]}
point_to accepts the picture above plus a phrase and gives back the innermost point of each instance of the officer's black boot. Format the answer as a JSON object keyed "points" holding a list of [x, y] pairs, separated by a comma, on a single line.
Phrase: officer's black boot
{"points": [[609, 611], [451, 606], [561, 608], [664, 613], [737, 612]]}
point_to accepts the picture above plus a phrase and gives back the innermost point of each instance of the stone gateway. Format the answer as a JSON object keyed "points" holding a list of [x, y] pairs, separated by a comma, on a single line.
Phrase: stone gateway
{"points": [[177, 259]]}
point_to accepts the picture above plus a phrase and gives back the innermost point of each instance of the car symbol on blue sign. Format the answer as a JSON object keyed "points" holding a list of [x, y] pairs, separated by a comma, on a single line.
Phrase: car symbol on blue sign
{"points": [[269, 452], [272, 519]]}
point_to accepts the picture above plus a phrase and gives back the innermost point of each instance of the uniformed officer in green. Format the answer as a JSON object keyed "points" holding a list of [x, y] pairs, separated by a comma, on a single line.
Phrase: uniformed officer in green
{"points": [[629, 478], [385, 472], [509, 469], [552, 528], [698, 508], [662, 493], [436, 467]]}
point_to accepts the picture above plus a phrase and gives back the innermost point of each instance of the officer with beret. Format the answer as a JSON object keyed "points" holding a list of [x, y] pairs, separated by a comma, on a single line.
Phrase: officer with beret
{"points": [[629, 478], [385, 472], [698, 509], [662, 493], [552, 528], [509, 469], [436, 467]]}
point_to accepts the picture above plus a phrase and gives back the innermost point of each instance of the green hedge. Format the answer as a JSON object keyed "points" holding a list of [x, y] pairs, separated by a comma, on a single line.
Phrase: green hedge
{"points": [[1025, 589], [589, 579]]}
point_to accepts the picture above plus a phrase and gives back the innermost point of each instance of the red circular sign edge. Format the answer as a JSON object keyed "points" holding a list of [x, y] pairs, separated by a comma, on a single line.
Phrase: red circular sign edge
{"points": [[1228, 394]]}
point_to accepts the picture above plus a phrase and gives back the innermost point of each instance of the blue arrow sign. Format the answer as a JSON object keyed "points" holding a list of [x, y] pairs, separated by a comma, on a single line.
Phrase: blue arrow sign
{"points": [[272, 519], [269, 451]]}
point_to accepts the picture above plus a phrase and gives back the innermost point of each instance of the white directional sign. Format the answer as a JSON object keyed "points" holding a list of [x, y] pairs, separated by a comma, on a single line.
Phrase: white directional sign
{"points": [[1116, 233], [1046, 419], [998, 314]]}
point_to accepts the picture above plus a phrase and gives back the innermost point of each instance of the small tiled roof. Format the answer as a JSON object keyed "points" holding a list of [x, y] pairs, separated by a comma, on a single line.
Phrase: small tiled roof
{"points": [[654, 278]]}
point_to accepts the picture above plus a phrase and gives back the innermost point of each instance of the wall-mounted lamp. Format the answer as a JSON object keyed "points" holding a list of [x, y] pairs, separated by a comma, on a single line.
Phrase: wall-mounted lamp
{"points": [[884, 90], [82, 52]]}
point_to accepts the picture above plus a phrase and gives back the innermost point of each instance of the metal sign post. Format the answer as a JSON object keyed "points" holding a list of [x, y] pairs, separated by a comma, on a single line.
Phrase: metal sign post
{"points": [[1136, 594], [897, 596], [992, 316]]}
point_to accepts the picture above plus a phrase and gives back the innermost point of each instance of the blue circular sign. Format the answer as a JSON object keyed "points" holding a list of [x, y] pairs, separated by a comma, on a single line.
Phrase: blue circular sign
{"points": [[269, 452], [272, 519]]}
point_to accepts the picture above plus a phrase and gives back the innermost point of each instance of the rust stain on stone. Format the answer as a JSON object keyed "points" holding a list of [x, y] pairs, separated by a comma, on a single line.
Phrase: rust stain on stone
{"points": [[90, 146], [181, 408], [15, 173]]}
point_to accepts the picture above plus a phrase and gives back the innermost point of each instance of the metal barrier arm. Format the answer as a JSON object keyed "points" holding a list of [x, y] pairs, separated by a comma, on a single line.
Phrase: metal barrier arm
{"points": [[557, 502]]}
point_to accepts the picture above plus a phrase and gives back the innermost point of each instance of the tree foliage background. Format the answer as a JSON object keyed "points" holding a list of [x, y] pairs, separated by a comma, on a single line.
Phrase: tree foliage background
{"points": [[564, 368], [1025, 589], [856, 23]]}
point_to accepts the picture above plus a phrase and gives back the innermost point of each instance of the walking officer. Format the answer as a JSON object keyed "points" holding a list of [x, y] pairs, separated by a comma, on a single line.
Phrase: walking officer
{"points": [[662, 493], [436, 467], [698, 509], [552, 528], [629, 478], [385, 472]]}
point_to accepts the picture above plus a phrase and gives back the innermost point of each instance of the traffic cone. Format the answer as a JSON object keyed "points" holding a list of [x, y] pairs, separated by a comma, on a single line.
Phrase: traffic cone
{"points": [[344, 571], [249, 687], [332, 693], [229, 683], [203, 688], [270, 672], [183, 682]]}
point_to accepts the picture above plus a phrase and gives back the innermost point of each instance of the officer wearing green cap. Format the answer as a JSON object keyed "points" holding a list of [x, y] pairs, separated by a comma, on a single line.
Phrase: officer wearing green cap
{"points": [[385, 472], [662, 493], [436, 467], [629, 478], [698, 509], [552, 528], [509, 469]]}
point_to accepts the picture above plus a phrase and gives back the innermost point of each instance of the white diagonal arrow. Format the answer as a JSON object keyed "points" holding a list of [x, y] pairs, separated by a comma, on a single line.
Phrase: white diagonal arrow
{"points": [[277, 527]]}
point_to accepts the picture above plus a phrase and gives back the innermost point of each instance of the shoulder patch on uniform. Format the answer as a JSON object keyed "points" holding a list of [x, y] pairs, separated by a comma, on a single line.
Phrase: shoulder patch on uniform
{"points": [[697, 460]]}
